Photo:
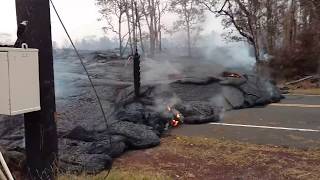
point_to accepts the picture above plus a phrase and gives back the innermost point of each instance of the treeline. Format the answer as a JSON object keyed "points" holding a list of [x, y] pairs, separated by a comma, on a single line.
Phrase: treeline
{"points": [[141, 21], [284, 32]]}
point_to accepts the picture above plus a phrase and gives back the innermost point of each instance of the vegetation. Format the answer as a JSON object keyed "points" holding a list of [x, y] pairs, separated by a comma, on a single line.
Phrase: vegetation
{"points": [[284, 32], [206, 158], [191, 14], [313, 91], [287, 31], [117, 174]]}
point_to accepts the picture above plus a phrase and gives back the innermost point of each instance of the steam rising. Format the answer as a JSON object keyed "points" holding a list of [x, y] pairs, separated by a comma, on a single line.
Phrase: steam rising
{"points": [[228, 54], [159, 70], [93, 43], [211, 56]]}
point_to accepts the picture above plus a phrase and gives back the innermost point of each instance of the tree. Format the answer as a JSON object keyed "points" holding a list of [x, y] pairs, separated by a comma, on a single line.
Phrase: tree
{"points": [[190, 14], [244, 15], [270, 25], [161, 8], [148, 9], [112, 10]]}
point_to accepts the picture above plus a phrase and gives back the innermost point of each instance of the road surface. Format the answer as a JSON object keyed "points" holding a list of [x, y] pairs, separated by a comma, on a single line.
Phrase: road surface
{"points": [[294, 122]]}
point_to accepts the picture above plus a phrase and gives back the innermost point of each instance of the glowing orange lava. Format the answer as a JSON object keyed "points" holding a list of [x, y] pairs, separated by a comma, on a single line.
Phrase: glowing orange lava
{"points": [[177, 117], [230, 74]]}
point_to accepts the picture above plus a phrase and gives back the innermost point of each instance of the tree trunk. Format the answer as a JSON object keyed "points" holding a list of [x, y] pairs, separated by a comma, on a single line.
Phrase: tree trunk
{"points": [[270, 27], [155, 24], [129, 29], [189, 38], [256, 52], [160, 41], [134, 38], [290, 26], [120, 36], [293, 23], [159, 29], [140, 35], [152, 34]]}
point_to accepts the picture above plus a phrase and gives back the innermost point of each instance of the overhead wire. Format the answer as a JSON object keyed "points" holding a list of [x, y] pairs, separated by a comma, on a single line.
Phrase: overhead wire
{"points": [[83, 65], [88, 75]]}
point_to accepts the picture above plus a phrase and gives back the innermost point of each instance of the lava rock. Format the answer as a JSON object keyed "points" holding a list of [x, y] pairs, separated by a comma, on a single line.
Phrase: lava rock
{"points": [[133, 112], [89, 163], [259, 91], [81, 134], [199, 112], [138, 113], [255, 90], [138, 136], [233, 96]]}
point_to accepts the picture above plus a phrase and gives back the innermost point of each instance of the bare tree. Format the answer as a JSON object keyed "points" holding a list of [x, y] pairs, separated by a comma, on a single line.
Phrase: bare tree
{"points": [[148, 11], [161, 8], [191, 14], [270, 25], [244, 16], [114, 10]]}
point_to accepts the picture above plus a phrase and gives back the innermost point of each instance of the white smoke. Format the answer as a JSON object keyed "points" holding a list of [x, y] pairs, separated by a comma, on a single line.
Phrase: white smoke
{"points": [[227, 54], [160, 70], [6, 39], [219, 101], [92, 43]]}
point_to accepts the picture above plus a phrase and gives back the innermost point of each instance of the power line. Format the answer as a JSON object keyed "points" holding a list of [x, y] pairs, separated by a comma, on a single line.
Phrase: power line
{"points": [[88, 75], [83, 65]]}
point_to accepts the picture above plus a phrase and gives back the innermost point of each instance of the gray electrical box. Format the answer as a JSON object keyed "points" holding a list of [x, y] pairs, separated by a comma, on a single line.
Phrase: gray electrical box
{"points": [[19, 81]]}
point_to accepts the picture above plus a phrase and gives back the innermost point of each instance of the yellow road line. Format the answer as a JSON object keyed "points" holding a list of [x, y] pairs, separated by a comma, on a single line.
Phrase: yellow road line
{"points": [[295, 105]]}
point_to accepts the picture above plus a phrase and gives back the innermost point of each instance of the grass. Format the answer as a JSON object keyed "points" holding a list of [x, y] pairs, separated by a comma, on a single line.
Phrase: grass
{"points": [[315, 91], [203, 158], [118, 174]]}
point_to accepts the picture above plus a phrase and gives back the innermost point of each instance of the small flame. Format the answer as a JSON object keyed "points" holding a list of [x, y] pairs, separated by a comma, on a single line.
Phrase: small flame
{"points": [[174, 123], [177, 117], [230, 74]]}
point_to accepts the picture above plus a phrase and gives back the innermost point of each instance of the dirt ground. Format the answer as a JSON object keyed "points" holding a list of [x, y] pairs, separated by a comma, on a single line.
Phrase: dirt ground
{"points": [[209, 159]]}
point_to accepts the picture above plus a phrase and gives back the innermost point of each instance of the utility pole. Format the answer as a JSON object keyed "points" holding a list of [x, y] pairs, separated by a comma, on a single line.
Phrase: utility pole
{"points": [[136, 56], [40, 127]]}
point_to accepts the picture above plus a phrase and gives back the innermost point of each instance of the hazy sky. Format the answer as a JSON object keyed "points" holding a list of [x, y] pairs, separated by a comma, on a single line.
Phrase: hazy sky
{"points": [[80, 17]]}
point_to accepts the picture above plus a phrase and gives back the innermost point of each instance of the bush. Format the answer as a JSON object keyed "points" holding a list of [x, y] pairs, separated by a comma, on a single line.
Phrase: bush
{"points": [[299, 60]]}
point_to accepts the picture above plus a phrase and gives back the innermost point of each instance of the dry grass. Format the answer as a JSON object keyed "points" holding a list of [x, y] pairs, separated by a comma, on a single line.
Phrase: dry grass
{"points": [[203, 158], [118, 174], [315, 91]]}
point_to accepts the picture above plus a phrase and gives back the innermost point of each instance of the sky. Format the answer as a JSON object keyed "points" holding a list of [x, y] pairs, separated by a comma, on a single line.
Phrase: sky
{"points": [[80, 18]]}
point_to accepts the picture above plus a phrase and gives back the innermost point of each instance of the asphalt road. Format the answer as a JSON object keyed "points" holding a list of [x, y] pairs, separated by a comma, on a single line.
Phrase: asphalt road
{"points": [[294, 122]]}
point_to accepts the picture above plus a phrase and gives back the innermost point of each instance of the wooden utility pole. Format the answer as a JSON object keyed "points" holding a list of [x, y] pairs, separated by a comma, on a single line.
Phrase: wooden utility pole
{"points": [[136, 56], [40, 127]]}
